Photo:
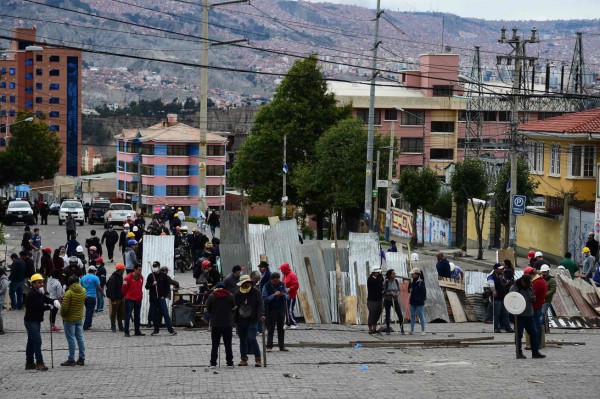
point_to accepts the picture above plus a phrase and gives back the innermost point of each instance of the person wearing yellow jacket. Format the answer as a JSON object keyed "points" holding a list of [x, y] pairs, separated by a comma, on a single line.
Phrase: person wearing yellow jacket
{"points": [[72, 313]]}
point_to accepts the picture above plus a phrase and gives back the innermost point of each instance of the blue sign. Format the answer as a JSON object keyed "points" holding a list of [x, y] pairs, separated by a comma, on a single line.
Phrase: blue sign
{"points": [[518, 205]]}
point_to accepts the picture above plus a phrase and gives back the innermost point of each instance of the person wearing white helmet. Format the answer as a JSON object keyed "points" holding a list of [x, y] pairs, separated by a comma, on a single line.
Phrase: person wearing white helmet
{"points": [[79, 253], [414, 257], [374, 298], [123, 239], [539, 260], [551, 283], [456, 272]]}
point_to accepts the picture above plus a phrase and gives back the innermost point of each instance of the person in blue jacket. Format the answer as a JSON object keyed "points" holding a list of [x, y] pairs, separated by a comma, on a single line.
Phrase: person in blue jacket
{"points": [[416, 301], [275, 296]]}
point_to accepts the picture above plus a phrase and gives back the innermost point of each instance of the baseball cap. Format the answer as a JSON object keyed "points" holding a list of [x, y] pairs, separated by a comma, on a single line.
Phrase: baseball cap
{"points": [[92, 268], [528, 270], [237, 268], [220, 285], [498, 266]]}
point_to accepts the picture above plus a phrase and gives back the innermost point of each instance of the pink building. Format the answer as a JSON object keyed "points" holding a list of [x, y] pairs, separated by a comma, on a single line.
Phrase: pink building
{"points": [[170, 166]]}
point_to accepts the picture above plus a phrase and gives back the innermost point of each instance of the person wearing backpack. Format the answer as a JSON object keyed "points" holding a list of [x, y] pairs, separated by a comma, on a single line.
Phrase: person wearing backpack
{"points": [[391, 293], [249, 310], [418, 296]]}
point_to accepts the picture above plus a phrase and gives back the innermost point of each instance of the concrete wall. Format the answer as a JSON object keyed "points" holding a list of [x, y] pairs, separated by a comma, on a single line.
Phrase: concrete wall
{"points": [[472, 231], [540, 233]]}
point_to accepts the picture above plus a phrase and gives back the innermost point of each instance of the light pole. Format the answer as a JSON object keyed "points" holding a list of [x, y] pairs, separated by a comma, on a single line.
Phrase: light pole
{"points": [[8, 125]]}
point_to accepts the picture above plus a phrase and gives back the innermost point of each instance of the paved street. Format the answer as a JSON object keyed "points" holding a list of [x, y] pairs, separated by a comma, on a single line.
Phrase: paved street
{"points": [[176, 366]]}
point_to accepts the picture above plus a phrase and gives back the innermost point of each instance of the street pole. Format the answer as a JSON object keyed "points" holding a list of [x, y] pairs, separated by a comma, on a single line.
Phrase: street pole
{"points": [[376, 200], [371, 127], [139, 173], [203, 116], [388, 206], [518, 46], [284, 197]]}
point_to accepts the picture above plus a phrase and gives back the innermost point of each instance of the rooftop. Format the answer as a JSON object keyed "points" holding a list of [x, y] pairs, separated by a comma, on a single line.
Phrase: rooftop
{"points": [[175, 132], [384, 89], [577, 122]]}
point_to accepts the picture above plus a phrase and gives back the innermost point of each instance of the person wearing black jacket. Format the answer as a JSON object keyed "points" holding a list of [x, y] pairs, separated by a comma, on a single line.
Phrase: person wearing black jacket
{"points": [[115, 294], [94, 241], [219, 307], [374, 298], [265, 274], [101, 274], [416, 301], [249, 310], [158, 284], [36, 304], [111, 237], [275, 297], [17, 281]]}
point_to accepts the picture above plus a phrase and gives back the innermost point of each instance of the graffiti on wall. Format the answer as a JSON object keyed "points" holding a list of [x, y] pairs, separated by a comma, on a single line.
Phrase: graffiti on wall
{"points": [[581, 223], [437, 230]]}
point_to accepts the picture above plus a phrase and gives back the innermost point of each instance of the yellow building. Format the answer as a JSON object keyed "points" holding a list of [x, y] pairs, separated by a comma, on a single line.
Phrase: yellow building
{"points": [[563, 155]]}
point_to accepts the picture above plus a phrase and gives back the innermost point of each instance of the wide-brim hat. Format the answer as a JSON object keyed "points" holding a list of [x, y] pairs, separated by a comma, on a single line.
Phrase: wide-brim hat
{"points": [[244, 279]]}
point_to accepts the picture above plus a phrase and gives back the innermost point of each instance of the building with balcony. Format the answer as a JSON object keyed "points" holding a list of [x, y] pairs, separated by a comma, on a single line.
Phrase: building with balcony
{"points": [[90, 160], [167, 158], [48, 82]]}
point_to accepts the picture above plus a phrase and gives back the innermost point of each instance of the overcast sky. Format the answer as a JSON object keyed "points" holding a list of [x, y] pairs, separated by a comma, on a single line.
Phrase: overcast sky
{"points": [[487, 9]]}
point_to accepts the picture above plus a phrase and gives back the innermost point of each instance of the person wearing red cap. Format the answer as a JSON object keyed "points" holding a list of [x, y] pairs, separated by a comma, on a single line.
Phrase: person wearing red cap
{"points": [[531, 258], [233, 278], [115, 294], [291, 283], [540, 288]]}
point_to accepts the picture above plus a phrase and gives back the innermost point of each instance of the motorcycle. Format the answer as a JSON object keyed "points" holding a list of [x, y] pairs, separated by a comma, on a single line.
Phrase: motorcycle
{"points": [[183, 258]]}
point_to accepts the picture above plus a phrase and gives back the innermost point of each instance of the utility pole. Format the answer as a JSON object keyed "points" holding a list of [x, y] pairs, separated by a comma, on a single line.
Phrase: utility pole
{"points": [[203, 114], [376, 201], [518, 55], [388, 203], [371, 127], [285, 170]]}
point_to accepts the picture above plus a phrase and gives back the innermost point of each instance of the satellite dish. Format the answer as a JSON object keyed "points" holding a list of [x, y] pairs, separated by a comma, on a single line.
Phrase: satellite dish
{"points": [[514, 303]]}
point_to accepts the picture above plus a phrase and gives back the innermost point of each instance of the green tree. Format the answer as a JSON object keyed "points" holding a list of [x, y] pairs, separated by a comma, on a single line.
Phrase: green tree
{"points": [[33, 152], [525, 186], [302, 109], [421, 189], [470, 184]]}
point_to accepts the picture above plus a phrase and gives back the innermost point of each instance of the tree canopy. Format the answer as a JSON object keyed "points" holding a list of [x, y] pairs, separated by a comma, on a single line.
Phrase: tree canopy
{"points": [[33, 152], [470, 183], [420, 188]]}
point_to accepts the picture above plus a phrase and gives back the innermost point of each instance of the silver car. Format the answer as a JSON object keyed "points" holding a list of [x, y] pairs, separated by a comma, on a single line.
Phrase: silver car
{"points": [[71, 207], [119, 213]]}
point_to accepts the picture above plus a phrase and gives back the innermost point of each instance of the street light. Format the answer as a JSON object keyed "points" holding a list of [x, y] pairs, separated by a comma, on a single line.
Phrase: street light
{"points": [[4, 140]]}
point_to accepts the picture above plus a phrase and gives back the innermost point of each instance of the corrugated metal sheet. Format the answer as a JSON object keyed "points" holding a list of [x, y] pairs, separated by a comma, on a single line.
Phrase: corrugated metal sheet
{"points": [[397, 261], [435, 306], [363, 249], [474, 282], [156, 248], [256, 241], [313, 251], [329, 258], [299, 267], [233, 227], [233, 254]]}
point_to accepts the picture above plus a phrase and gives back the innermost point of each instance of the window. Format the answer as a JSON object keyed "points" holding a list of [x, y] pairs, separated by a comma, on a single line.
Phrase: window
{"points": [[583, 158], [12, 112], [39, 72], [132, 187], [3, 113], [178, 191], [133, 148], [12, 99], [503, 116], [178, 170], [148, 170], [12, 85], [132, 167], [121, 147], [215, 150], [147, 149], [54, 128], [489, 116], [442, 127], [535, 157], [54, 86], [54, 114], [54, 72], [39, 86], [413, 118], [54, 58], [29, 90], [215, 170], [28, 76], [2, 85], [213, 191], [39, 57], [443, 90], [121, 166], [391, 115], [441, 153], [411, 145], [363, 114], [29, 104], [11, 71], [177, 150], [147, 189], [121, 185], [462, 116], [29, 62], [555, 160], [54, 100], [546, 115], [2, 99]]}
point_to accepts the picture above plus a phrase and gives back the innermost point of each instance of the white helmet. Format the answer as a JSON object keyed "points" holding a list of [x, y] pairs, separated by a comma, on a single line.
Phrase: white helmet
{"points": [[135, 228], [414, 257], [79, 249], [452, 266], [545, 268], [184, 228]]}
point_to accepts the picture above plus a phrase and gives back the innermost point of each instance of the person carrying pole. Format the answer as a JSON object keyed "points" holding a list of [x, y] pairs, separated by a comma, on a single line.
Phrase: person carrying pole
{"points": [[391, 293]]}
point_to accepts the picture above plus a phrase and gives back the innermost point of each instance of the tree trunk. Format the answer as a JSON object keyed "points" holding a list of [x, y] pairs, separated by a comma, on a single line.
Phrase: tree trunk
{"points": [[478, 229], [414, 239], [506, 225]]}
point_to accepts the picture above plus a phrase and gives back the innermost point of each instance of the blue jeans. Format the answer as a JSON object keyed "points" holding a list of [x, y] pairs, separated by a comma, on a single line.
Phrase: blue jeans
{"points": [[414, 311], [160, 309], [74, 332], [90, 305], [134, 307], [99, 302], [500, 316], [212, 230], [15, 291], [538, 320], [247, 334], [527, 323], [34, 342], [291, 321]]}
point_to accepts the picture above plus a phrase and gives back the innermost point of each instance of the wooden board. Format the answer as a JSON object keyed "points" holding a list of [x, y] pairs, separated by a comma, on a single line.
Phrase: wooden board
{"points": [[507, 253], [273, 220], [562, 302], [351, 302], [457, 310], [589, 293], [584, 307], [364, 311], [451, 283], [435, 306], [305, 305], [404, 300], [467, 307], [315, 290]]}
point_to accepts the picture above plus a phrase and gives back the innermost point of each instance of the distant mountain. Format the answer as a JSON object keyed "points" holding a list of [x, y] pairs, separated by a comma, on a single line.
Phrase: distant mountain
{"points": [[338, 33]]}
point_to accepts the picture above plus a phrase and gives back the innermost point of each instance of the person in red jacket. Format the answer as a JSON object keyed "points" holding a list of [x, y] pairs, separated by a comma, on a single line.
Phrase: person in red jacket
{"points": [[291, 284], [132, 289], [540, 288]]}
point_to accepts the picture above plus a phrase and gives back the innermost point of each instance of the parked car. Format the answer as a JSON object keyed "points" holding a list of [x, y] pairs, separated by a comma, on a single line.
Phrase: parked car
{"points": [[54, 208], [118, 213], [71, 207], [97, 211], [19, 211]]}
